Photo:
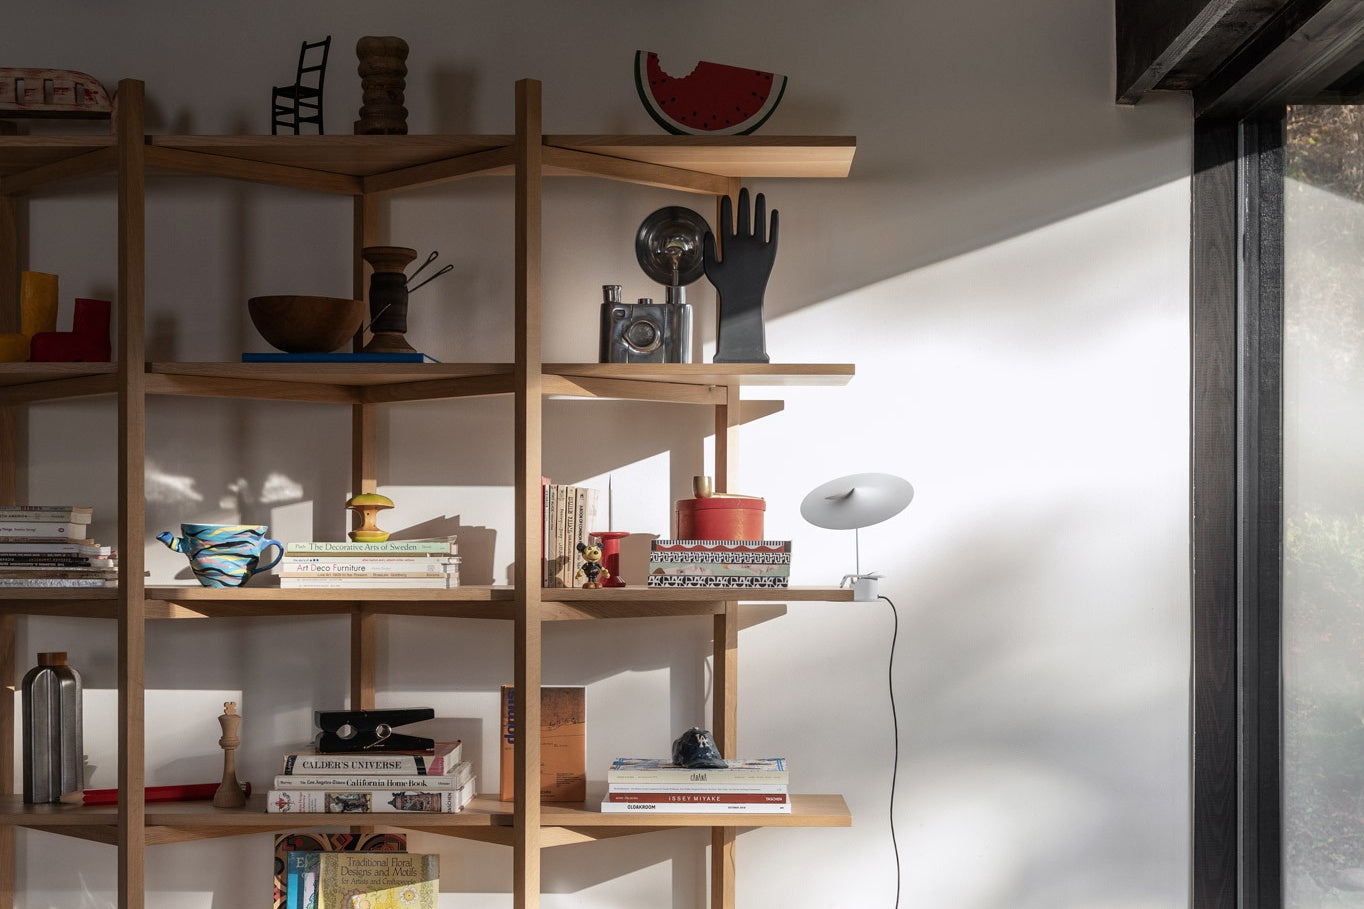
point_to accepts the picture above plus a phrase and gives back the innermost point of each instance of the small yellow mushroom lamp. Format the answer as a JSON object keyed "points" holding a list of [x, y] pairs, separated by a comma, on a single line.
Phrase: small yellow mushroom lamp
{"points": [[368, 505]]}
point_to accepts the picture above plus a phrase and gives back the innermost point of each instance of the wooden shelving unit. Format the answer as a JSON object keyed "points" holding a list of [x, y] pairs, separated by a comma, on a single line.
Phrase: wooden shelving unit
{"points": [[366, 168]]}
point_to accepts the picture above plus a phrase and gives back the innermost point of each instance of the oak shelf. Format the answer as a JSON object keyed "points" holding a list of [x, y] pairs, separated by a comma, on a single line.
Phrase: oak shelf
{"points": [[806, 811], [19, 154], [485, 819], [367, 168], [469, 602]]}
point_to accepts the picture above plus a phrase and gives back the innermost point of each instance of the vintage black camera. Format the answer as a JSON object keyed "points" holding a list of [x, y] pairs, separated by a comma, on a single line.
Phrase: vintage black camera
{"points": [[643, 332], [668, 246]]}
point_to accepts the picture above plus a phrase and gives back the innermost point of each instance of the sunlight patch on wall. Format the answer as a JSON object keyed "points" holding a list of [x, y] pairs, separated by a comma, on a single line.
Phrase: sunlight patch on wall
{"points": [[167, 488], [638, 501]]}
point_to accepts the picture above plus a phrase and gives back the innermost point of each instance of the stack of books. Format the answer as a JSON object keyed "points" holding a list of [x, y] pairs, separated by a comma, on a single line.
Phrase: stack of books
{"points": [[719, 563], [392, 563], [758, 786], [373, 782], [50, 546], [570, 513]]}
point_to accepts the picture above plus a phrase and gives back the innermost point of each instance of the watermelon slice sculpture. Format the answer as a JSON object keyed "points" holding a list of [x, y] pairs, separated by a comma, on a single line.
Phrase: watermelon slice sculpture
{"points": [[712, 100]]}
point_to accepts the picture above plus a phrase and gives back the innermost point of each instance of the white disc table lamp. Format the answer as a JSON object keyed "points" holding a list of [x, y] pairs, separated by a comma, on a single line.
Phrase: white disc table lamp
{"points": [[854, 502]]}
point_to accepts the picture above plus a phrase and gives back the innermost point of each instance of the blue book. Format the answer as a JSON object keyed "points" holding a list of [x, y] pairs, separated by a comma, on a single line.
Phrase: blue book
{"points": [[301, 871], [400, 356]]}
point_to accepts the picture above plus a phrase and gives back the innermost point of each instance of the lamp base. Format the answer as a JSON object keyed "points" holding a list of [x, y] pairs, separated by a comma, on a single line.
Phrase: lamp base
{"points": [[864, 586]]}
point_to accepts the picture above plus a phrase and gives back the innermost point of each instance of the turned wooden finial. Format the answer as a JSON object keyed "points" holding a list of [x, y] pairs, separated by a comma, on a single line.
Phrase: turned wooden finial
{"points": [[229, 794], [383, 79]]}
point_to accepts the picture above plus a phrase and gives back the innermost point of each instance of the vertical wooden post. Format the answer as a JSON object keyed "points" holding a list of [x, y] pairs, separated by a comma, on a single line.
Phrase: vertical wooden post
{"points": [[529, 406], [364, 459], [725, 726], [364, 424], [132, 840], [9, 673], [11, 421], [12, 443], [723, 840], [727, 439], [9, 262], [364, 232]]}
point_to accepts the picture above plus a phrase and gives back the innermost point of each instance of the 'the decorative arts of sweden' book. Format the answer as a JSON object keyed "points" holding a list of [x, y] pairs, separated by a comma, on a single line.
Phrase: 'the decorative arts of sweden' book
{"points": [[446, 546]]}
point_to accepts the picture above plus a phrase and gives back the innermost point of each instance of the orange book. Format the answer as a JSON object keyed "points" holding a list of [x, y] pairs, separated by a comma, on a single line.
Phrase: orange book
{"points": [[563, 744]]}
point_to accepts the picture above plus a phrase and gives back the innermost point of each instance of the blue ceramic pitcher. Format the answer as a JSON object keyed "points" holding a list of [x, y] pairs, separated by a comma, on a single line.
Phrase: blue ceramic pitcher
{"points": [[223, 555]]}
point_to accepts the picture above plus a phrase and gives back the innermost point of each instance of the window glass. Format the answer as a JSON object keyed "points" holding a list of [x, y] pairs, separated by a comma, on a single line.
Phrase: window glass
{"points": [[1323, 595]]}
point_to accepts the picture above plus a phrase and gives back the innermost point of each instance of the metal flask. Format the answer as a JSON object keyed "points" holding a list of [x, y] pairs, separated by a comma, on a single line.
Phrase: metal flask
{"points": [[53, 755]]}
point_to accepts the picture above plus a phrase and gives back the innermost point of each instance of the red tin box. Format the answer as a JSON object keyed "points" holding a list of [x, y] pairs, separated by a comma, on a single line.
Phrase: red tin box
{"points": [[720, 517]]}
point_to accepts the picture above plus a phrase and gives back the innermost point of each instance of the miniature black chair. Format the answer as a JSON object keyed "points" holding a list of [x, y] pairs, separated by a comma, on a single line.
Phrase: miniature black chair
{"points": [[302, 101]]}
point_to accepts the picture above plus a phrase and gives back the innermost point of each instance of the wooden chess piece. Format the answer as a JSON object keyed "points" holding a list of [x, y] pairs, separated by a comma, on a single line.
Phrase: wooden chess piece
{"points": [[229, 794]]}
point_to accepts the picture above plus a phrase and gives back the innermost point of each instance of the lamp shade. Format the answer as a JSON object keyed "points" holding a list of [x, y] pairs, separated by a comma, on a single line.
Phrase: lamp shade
{"points": [[858, 500]]}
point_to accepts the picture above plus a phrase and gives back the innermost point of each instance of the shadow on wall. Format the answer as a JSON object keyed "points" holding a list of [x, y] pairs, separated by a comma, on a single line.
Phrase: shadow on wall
{"points": [[476, 545]]}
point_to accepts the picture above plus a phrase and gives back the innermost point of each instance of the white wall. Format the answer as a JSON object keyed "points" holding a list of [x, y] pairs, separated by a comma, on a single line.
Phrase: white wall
{"points": [[1007, 268]]}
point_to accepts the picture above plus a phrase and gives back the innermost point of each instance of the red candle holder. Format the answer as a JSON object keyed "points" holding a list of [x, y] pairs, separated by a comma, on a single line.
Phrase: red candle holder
{"points": [[610, 556]]}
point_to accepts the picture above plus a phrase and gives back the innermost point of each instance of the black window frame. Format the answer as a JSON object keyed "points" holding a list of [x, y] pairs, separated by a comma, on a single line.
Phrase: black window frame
{"points": [[1243, 62], [1236, 505]]}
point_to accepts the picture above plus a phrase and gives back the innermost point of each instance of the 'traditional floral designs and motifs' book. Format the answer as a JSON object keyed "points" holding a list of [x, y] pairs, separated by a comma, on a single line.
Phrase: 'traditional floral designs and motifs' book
{"points": [[444, 758], [285, 843], [378, 880]]}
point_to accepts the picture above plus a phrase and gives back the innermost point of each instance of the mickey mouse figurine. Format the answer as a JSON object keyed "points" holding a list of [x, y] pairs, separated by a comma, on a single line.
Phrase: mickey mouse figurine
{"points": [[591, 566]]}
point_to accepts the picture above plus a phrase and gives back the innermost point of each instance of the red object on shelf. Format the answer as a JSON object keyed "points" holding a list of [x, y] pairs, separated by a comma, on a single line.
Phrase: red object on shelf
{"points": [[87, 342], [181, 793], [610, 555], [720, 517]]}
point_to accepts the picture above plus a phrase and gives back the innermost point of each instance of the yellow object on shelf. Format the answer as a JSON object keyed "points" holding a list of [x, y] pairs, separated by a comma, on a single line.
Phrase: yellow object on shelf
{"points": [[37, 312], [368, 505]]}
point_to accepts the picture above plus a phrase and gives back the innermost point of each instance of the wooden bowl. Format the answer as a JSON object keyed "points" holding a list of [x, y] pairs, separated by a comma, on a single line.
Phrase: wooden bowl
{"points": [[303, 324]]}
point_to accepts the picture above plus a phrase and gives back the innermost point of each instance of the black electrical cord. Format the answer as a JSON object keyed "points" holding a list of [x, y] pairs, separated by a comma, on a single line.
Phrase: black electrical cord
{"points": [[895, 727]]}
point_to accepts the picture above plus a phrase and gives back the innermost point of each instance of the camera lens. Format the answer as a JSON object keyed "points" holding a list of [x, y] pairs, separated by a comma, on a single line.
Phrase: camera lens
{"points": [[643, 336]]}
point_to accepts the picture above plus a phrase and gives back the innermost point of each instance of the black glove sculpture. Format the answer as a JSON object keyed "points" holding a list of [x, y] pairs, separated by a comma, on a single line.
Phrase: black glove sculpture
{"points": [[740, 279]]}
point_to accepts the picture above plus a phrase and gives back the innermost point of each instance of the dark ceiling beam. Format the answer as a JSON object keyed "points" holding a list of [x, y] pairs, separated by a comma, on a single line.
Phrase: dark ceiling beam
{"points": [[1239, 57], [1174, 44], [1297, 57]]}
